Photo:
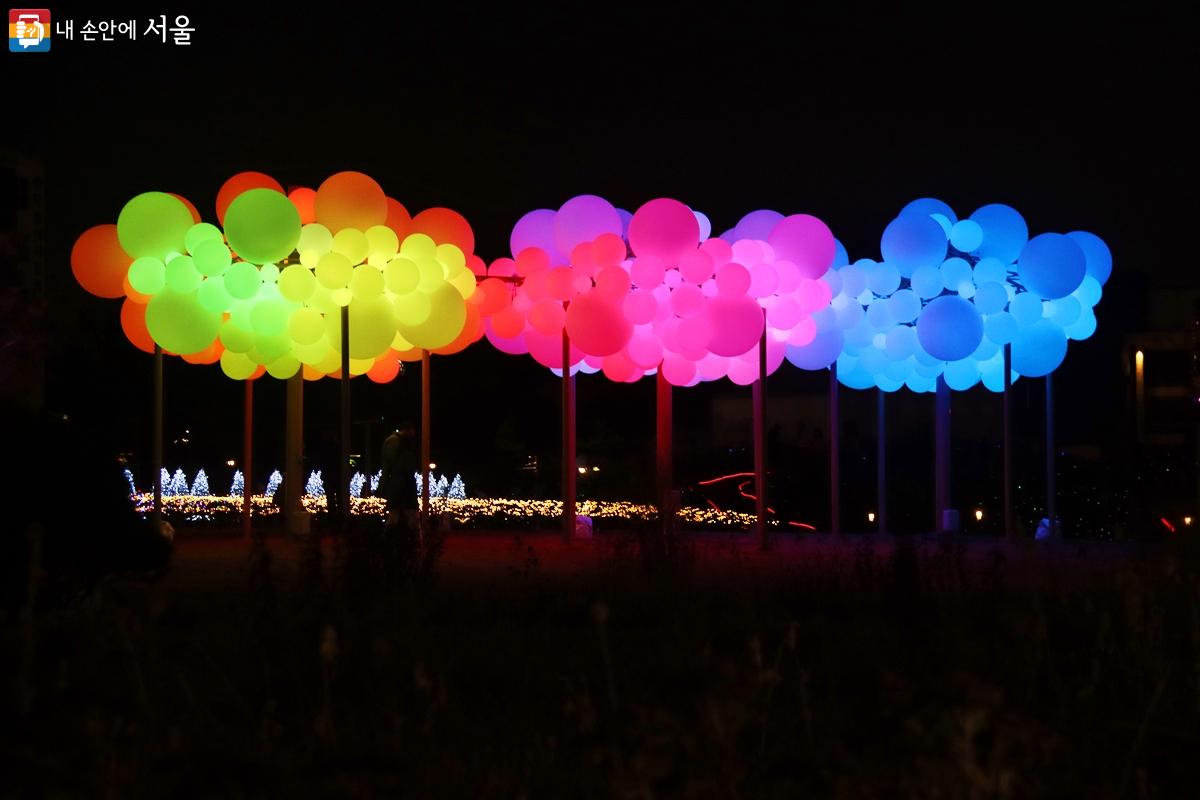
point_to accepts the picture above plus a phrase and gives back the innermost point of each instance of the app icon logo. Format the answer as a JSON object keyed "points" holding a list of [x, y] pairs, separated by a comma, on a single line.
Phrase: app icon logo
{"points": [[29, 30]]}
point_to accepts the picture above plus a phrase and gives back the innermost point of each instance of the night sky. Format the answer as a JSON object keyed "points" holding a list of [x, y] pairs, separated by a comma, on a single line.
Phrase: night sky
{"points": [[844, 115]]}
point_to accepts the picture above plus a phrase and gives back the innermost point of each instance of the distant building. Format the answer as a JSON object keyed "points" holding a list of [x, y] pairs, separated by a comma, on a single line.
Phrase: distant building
{"points": [[22, 281]]}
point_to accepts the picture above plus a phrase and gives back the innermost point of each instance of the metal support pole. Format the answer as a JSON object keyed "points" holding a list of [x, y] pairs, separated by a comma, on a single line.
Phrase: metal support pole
{"points": [[1010, 528], [343, 473], [295, 517], [247, 456], [1051, 493], [424, 444], [158, 436], [568, 441], [835, 454], [941, 440], [881, 459], [663, 466], [759, 398]]}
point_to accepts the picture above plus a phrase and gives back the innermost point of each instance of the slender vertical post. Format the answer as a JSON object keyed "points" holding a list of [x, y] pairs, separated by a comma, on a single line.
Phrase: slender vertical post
{"points": [[835, 454], [158, 435], [295, 517], [568, 441], [1010, 528], [424, 444], [881, 459], [343, 473], [759, 398], [1051, 498], [941, 441], [663, 467], [247, 455]]}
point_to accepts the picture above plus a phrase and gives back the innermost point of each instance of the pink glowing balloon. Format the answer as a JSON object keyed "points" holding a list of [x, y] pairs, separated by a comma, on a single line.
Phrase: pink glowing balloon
{"points": [[687, 300], [712, 367], [789, 276], [744, 372], [737, 324], [764, 280], [805, 241], [644, 350], [513, 346], [804, 332], [748, 251], [596, 325], [693, 336], [560, 283], [709, 288], [784, 314], [547, 317], [612, 283], [672, 278], [503, 268], [537, 286], [719, 250], [664, 228], [813, 295], [668, 334], [619, 368], [547, 350], [535, 229], [677, 370], [696, 267], [639, 306], [733, 280], [531, 260], [582, 219], [647, 273], [608, 250], [776, 352]]}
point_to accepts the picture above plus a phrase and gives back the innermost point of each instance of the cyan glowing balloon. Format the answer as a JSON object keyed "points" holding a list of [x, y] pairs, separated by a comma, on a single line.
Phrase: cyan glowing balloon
{"points": [[955, 272], [1083, 327], [1038, 349], [1026, 308], [873, 361], [883, 279], [1065, 311], [904, 305], [900, 342], [886, 384], [927, 281], [911, 241], [1089, 292], [962, 375], [966, 235], [1099, 258], [919, 383], [926, 206], [899, 370], [950, 328], [990, 297], [851, 374], [1001, 327], [879, 316], [989, 270], [1004, 232], [1052, 265], [987, 348]]}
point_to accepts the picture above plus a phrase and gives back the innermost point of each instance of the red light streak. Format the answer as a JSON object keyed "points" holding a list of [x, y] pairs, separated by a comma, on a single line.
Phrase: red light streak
{"points": [[1167, 523], [711, 481]]}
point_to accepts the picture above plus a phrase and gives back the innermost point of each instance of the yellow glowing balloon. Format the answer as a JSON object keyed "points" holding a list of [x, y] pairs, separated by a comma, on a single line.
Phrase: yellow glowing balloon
{"points": [[451, 257], [464, 281], [334, 271], [401, 275], [419, 247], [238, 366], [447, 316], [322, 300], [311, 354], [236, 339], [400, 343], [315, 238], [412, 308], [433, 275], [382, 242], [361, 366], [283, 367], [331, 362], [342, 297], [367, 282], [296, 282], [352, 243], [306, 326]]}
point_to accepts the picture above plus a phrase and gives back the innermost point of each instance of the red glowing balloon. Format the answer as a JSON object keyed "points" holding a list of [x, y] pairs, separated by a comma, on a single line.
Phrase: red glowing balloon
{"points": [[398, 219], [385, 369], [99, 263], [445, 226], [133, 323], [305, 201], [597, 325], [351, 200]]}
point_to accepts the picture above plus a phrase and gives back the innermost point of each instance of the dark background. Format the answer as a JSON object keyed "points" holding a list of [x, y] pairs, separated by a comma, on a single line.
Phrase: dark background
{"points": [[1079, 124]]}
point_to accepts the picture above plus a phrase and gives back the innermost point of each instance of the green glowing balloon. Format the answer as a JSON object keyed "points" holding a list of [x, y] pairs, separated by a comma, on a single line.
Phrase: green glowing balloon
{"points": [[178, 322], [401, 275], [306, 326], [262, 225], [238, 366], [412, 308], [269, 317], [235, 338], [296, 282], [270, 273], [148, 275], [182, 275], [283, 367], [367, 282], [268, 348], [212, 257], [334, 271], [200, 233], [242, 280], [213, 296], [154, 224], [352, 243]]}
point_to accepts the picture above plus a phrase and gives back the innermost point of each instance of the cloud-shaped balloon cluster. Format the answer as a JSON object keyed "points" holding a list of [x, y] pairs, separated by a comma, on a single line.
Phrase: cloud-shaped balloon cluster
{"points": [[265, 290], [650, 290], [949, 293]]}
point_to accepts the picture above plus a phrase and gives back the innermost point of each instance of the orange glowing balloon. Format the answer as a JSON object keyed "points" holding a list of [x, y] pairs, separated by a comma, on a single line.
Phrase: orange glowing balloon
{"points": [[99, 263], [445, 226], [132, 293], [311, 373], [398, 219], [243, 181], [385, 369], [209, 355], [410, 355], [188, 203], [133, 323], [305, 201], [351, 200], [258, 373]]}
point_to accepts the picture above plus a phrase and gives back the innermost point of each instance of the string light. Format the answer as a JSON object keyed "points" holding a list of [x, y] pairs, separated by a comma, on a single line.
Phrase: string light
{"points": [[239, 484], [200, 485], [273, 483]]}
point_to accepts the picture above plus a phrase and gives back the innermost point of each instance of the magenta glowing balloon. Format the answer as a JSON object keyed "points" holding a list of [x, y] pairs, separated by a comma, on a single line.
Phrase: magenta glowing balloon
{"points": [[647, 273], [789, 276], [547, 350], [644, 349], [748, 251], [677, 370], [696, 266], [764, 280], [639, 306], [733, 280], [813, 295], [535, 229], [712, 367], [719, 249], [582, 219], [619, 368], [692, 337], [805, 241], [612, 283], [597, 326], [513, 346], [665, 229], [785, 313], [743, 372], [737, 324], [687, 300], [804, 332]]}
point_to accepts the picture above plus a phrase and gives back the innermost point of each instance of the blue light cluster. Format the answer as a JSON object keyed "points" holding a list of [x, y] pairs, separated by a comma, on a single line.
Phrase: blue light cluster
{"points": [[949, 293]]}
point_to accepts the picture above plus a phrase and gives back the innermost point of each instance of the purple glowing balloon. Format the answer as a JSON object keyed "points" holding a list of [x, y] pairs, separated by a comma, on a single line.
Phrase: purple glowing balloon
{"points": [[583, 218], [757, 225], [805, 241], [536, 229]]}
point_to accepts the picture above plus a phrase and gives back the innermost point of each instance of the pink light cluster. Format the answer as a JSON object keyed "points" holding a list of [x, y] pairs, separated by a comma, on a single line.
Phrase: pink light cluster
{"points": [[648, 292]]}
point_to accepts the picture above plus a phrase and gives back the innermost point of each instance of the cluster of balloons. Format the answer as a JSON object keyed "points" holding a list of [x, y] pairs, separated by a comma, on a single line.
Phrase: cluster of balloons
{"points": [[264, 292], [640, 292], [949, 293]]}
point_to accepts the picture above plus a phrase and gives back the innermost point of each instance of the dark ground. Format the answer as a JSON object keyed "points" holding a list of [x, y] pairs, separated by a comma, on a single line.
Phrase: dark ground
{"points": [[833, 667]]}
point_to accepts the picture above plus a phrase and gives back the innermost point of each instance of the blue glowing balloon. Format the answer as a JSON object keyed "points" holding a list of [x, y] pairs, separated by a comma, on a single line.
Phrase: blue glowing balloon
{"points": [[840, 257], [1038, 349], [929, 370], [817, 354], [860, 336], [962, 375], [883, 279], [919, 383], [911, 241], [990, 298], [900, 342], [1001, 327], [872, 361], [825, 319], [1064, 311], [956, 272], [1083, 327], [1026, 308], [1089, 292], [885, 383], [926, 281], [833, 279], [1004, 232], [904, 305], [966, 235], [850, 314], [1099, 258], [878, 315], [851, 374], [929, 205], [989, 270], [854, 280], [899, 370], [944, 221], [949, 328], [1051, 265]]}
